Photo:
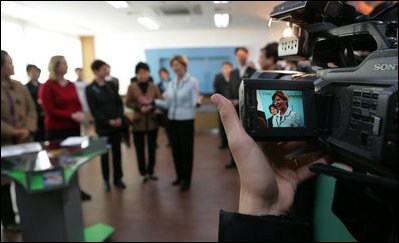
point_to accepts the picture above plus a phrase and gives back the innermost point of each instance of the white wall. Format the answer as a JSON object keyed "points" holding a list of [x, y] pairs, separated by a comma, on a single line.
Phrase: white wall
{"points": [[28, 44], [123, 51]]}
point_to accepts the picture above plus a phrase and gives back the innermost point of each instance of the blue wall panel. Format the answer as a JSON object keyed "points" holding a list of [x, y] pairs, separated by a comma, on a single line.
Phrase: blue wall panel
{"points": [[203, 63]]}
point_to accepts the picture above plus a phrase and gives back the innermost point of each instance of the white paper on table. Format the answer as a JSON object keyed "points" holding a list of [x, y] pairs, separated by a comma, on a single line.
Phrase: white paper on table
{"points": [[73, 141], [13, 150]]}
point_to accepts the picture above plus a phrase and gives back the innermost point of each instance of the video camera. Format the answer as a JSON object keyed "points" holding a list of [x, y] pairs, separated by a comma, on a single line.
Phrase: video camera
{"points": [[350, 107]]}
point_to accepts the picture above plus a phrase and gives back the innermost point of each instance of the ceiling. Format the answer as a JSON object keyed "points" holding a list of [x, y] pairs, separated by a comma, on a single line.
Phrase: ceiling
{"points": [[90, 17]]}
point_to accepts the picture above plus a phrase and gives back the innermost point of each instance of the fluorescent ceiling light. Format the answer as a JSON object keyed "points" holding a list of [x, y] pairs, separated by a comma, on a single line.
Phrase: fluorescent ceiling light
{"points": [[41, 18], [221, 20], [220, 2], [148, 23], [118, 4]]}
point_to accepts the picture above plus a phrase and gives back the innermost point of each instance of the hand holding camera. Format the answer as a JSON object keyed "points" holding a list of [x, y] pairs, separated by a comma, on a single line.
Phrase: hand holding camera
{"points": [[268, 179]]}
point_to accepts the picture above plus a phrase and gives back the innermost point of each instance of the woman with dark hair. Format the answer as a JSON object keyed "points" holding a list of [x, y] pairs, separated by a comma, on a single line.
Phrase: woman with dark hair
{"points": [[145, 121], [273, 110], [107, 109], [18, 124], [285, 116]]}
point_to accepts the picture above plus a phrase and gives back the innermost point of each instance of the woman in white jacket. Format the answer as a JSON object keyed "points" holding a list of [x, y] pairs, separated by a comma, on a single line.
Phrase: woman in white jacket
{"points": [[181, 101]]}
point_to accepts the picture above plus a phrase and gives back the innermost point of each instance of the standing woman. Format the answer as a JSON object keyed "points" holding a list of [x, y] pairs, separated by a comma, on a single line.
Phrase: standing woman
{"points": [[181, 101], [18, 124], [61, 105], [145, 119], [107, 108]]}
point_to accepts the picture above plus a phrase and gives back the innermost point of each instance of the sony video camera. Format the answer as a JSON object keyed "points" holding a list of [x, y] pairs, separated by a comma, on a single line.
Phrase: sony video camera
{"points": [[350, 107]]}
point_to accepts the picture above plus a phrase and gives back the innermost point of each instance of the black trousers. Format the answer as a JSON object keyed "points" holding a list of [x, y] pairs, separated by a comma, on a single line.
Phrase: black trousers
{"points": [[139, 142], [61, 134], [39, 134], [7, 212], [114, 139], [182, 149]]}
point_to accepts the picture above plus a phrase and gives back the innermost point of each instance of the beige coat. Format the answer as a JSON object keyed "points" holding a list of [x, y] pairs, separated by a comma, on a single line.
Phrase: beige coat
{"points": [[24, 110], [142, 122]]}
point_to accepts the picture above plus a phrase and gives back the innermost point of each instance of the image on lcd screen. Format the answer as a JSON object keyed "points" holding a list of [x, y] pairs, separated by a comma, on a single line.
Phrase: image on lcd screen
{"points": [[279, 108]]}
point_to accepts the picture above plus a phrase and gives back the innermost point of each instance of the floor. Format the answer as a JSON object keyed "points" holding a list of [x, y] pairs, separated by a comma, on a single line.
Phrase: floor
{"points": [[156, 210]]}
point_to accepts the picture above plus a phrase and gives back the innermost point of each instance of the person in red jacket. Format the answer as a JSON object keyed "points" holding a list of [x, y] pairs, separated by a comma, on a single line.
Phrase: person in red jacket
{"points": [[61, 105]]}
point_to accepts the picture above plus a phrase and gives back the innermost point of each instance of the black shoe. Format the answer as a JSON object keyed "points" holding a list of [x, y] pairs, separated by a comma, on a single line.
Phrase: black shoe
{"points": [[119, 183], [152, 177], [231, 165], [184, 187], [107, 187], [144, 179], [13, 228], [223, 146], [84, 196], [176, 182]]}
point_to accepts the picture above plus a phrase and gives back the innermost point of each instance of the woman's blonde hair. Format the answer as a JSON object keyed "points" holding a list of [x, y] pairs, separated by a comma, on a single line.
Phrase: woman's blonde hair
{"points": [[52, 66], [181, 59]]}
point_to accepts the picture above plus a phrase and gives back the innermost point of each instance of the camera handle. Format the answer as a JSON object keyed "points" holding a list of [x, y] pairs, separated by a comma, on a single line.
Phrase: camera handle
{"points": [[366, 204], [356, 177]]}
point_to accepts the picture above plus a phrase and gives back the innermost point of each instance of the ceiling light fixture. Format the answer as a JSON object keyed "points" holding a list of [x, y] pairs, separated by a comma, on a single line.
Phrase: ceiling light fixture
{"points": [[220, 2], [221, 20], [148, 23], [118, 4]]}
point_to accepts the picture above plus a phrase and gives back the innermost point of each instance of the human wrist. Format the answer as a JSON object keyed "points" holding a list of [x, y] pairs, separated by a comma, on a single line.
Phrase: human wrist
{"points": [[258, 206]]}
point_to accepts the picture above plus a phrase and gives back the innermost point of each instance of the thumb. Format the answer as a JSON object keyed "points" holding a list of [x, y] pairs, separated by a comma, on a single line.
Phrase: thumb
{"points": [[232, 125]]}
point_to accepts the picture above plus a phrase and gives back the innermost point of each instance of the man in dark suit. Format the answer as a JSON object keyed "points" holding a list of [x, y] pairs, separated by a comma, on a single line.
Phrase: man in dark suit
{"points": [[33, 86], [236, 76], [221, 86]]}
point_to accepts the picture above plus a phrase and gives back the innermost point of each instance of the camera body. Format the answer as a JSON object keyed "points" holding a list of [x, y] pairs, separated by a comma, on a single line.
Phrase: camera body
{"points": [[350, 107]]}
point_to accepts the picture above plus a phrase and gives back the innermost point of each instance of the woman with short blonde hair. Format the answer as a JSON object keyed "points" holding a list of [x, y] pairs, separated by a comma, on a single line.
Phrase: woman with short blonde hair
{"points": [[52, 66], [61, 105]]}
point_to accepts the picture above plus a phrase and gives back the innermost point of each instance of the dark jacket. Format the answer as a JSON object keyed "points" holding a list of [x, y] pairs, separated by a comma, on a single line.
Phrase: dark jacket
{"points": [[221, 85], [235, 81], [34, 91], [105, 104]]}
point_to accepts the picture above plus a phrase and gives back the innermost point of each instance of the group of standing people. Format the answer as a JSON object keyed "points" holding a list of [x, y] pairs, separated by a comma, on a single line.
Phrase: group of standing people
{"points": [[63, 108]]}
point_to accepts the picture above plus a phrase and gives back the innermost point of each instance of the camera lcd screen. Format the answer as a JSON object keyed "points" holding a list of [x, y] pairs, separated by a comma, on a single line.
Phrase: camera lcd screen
{"points": [[280, 109]]}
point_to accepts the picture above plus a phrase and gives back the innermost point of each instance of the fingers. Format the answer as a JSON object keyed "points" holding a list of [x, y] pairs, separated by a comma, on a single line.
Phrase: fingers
{"points": [[236, 134], [289, 147], [304, 173]]}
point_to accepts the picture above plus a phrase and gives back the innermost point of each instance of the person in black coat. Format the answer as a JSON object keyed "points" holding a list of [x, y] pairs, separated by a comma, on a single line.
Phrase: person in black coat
{"points": [[107, 109], [33, 87], [236, 76], [221, 86]]}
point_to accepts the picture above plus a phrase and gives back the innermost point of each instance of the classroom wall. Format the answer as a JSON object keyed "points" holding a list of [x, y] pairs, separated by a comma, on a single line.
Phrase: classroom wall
{"points": [[124, 51]]}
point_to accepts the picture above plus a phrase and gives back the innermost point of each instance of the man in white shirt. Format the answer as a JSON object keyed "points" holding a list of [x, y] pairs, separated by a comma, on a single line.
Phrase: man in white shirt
{"points": [[80, 85]]}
